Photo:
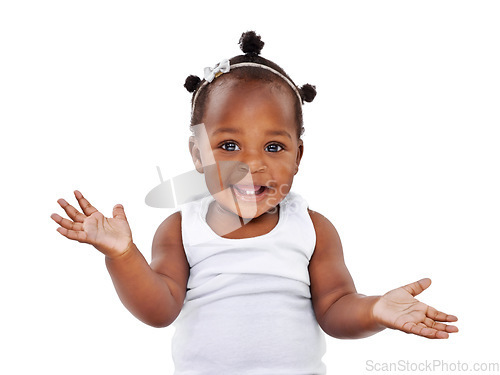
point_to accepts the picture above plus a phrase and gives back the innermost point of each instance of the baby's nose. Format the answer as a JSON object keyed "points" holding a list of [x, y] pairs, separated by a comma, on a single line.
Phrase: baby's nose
{"points": [[229, 171], [253, 162]]}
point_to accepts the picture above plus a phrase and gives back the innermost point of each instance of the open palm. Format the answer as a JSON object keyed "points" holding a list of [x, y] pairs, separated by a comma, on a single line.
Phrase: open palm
{"points": [[111, 236], [399, 309]]}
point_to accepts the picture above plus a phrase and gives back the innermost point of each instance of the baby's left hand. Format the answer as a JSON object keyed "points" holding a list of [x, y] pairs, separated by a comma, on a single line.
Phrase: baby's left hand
{"points": [[398, 309]]}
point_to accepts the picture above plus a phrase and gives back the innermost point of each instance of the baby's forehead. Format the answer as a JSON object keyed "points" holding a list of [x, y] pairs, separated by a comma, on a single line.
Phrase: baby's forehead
{"points": [[236, 81], [249, 107], [244, 90]]}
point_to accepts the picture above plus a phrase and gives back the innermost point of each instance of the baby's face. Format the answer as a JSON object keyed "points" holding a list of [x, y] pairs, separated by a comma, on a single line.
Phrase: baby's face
{"points": [[252, 131]]}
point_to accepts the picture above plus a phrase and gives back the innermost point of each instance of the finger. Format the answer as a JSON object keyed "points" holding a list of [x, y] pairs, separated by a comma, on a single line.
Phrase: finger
{"points": [[418, 286], [439, 315], [441, 335], [433, 324], [119, 212], [72, 212], [79, 236], [87, 208], [451, 329], [428, 331], [424, 331], [440, 326], [65, 223]]}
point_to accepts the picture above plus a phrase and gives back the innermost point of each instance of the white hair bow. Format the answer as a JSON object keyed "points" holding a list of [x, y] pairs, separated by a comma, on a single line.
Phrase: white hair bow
{"points": [[222, 67]]}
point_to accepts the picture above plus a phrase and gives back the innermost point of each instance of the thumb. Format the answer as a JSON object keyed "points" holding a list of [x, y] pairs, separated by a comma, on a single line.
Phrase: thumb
{"points": [[418, 286], [119, 212]]}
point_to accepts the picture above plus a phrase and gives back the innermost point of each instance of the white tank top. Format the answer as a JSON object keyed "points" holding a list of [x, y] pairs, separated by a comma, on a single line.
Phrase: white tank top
{"points": [[248, 305]]}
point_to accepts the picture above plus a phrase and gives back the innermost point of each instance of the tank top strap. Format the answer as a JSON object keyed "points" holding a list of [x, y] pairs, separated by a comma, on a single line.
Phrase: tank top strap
{"points": [[299, 222]]}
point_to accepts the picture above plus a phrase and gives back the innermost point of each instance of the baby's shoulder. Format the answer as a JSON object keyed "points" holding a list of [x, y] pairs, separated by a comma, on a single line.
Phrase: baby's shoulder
{"points": [[170, 220], [320, 222], [167, 247], [323, 227], [328, 249], [316, 217], [169, 231]]}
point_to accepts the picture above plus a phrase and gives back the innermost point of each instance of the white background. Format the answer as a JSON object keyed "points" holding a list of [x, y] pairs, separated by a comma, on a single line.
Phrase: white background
{"points": [[401, 154]]}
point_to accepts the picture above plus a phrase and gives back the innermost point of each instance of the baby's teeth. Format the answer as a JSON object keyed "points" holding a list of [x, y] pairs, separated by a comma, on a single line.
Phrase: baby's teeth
{"points": [[247, 191]]}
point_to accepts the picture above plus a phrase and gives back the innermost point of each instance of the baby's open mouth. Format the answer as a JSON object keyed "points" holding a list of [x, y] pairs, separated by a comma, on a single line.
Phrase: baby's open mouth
{"points": [[249, 191]]}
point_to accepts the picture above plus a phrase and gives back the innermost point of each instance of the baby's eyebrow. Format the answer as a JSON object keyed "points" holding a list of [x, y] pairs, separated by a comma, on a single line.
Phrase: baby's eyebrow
{"points": [[279, 132], [237, 131], [226, 130]]}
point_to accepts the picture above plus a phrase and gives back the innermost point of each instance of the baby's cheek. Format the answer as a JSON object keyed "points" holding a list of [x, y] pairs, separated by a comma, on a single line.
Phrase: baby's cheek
{"points": [[283, 185], [212, 179], [287, 171]]}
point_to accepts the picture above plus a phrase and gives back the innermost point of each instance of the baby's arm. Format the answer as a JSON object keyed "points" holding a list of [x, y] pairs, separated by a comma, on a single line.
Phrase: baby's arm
{"points": [[154, 294], [340, 310], [344, 313]]}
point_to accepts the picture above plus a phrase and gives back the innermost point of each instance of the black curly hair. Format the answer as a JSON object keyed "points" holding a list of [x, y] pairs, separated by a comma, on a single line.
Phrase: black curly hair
{"points": [[251, 44]]}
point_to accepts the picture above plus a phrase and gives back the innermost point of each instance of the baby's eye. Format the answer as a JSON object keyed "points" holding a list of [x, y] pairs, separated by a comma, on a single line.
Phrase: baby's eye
{"points": [[274, 147], [230, 146]]}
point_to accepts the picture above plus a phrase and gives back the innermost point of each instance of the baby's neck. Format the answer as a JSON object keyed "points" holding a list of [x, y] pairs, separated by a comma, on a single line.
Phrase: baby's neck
{"points": [[219, 220]]}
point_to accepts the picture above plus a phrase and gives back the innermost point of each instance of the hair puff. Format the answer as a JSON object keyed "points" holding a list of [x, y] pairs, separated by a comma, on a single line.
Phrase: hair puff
{"points": [[307, 92], [192, 83], [250, 43]]}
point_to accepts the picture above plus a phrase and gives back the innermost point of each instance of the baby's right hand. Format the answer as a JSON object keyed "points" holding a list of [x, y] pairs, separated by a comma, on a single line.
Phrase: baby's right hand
{"points": [[111, 236]]}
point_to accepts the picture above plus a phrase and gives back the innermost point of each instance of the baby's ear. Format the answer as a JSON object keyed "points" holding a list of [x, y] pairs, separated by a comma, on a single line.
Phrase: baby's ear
{"points": [[195, 154], [300, 152]]}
